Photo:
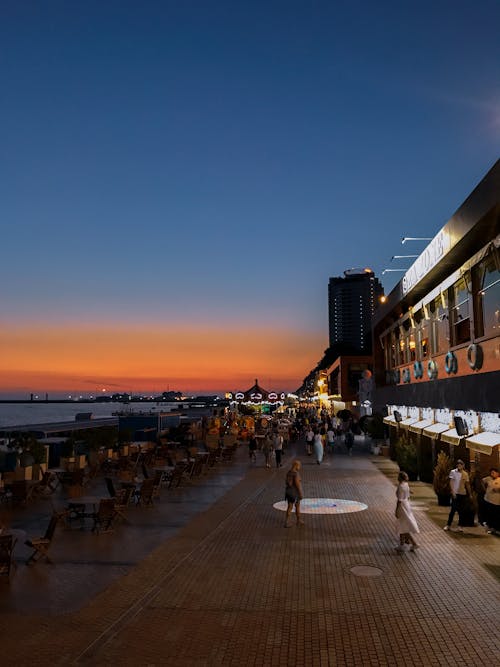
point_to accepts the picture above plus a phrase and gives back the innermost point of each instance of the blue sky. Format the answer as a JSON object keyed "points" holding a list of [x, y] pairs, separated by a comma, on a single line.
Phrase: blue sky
{"points": [[213, 163]]}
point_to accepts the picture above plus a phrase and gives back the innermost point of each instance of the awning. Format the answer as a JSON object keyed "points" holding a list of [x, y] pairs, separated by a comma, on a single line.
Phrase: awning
{"points": [[407, 422], [434, 430], [451, 437], [483, 442], [390, 420], [418, 426]]}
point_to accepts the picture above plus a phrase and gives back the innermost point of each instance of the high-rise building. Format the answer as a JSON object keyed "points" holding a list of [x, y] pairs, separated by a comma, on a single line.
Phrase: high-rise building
{"points": [[351, 304]]}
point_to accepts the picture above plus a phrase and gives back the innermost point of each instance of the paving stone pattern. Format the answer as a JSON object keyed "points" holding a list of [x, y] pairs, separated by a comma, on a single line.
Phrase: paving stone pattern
{"points": [[234, 587]]}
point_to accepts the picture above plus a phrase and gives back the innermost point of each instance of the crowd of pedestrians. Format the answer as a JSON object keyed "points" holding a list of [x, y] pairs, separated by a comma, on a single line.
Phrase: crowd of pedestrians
{"points": [[323, 434]]}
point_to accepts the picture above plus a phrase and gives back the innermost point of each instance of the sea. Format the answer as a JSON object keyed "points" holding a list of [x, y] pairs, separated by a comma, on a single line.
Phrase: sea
{"points": [[20, 414]]}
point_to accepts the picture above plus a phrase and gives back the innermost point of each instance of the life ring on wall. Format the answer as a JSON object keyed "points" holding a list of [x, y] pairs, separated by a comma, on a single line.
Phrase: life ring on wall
{"points": [[432, 370], [406, 375], [418, 370], [475, 356], [450, 363]]}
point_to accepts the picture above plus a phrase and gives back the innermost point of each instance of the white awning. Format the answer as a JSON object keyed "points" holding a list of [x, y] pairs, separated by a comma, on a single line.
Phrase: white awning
{"points": [[406, 422], [451, 437], [418, 426], [390, 419], [483, 442], [434, 430]]}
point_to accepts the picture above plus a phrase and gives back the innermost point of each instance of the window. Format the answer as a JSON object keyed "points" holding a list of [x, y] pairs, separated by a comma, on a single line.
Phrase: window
{"points": [[423, 347], [439, 325], [459, 313], [394, 348], [487, 290]]}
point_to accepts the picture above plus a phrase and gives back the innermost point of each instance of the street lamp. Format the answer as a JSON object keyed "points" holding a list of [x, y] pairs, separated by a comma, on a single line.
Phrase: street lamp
{"points": [[403, 256], [393, 270], [414, 238]]}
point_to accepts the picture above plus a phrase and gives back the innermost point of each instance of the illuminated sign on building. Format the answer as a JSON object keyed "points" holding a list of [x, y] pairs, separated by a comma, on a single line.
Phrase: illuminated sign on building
{"points": [[432, 254]]}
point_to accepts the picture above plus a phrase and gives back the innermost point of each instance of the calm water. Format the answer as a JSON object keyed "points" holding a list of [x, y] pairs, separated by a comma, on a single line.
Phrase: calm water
{"points": [[16, 414]]}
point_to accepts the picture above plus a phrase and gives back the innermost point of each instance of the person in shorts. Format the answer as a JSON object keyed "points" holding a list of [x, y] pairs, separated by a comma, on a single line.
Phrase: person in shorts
{"points": [[293, 493]]}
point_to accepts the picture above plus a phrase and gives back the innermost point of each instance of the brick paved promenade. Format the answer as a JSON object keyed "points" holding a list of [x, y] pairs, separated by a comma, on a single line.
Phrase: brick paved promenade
{"points": [[233, 587]]}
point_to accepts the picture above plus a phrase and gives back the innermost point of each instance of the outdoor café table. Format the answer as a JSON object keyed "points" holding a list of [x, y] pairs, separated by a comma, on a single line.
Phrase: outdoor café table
{"points": [[18, 534], [77, 507], [165, 470]]}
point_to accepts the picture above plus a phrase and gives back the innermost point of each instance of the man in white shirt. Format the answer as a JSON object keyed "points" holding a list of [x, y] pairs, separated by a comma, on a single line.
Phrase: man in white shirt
{"points": [[278, 448], [309, 440], [460, 491]]}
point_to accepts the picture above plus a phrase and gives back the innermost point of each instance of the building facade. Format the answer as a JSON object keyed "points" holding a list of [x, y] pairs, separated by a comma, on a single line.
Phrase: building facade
{"points": [[437, 339], [352, 301]]}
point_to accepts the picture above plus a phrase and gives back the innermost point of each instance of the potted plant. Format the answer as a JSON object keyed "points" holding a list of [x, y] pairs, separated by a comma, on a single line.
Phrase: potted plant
{"points": [[441, 479], [39, 452], [406, 456], [374, 426]]}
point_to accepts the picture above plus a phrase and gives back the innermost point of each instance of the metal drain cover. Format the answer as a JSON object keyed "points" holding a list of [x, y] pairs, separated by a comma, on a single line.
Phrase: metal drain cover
{"points": [[366, 571]]}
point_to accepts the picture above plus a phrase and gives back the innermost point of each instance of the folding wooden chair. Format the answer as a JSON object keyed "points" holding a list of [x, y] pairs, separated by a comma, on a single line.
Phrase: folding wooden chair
{"points": [[176, 475], [122, 501], [19, 492], [104, 517], [110, 487], [145, 494], [7, 543], [41, 545], [157, 481], [46, 486]]}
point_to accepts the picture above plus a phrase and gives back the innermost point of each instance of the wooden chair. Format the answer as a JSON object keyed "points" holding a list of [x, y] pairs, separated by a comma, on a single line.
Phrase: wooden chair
{"points": [[177, 475], [46, 486], [212, 458], [157, 482], [122, 501], [41, 545], [110, 487], [145, 494], [7, 543], [104, 517], [19, 491]]}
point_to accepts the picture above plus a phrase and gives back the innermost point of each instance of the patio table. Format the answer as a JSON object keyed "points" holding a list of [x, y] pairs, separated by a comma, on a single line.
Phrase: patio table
{"points": [[77, 507]]}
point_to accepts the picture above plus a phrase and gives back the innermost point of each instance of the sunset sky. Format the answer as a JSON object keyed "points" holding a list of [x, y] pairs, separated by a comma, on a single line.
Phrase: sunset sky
{"points": [[179, 179]]}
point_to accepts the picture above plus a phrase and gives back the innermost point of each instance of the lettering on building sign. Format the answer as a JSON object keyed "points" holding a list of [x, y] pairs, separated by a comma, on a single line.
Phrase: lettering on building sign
{"points": [[434, 252]]}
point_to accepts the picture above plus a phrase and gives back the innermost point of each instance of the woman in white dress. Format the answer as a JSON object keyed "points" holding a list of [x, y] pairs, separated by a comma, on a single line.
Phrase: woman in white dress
{"points": [[406, 523], [318, 447]]}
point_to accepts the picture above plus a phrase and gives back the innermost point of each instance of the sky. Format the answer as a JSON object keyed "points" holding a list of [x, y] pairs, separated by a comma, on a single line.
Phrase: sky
{"points": [[178, 180]]}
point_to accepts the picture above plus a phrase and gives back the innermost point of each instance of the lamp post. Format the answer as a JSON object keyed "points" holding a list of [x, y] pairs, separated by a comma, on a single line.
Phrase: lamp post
{"points": [[414, 238], [403, 257], [393, 270]]}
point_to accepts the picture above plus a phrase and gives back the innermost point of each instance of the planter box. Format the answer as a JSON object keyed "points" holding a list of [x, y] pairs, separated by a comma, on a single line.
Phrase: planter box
{"points": [[68, 462], [38, 470], [23, 473]]}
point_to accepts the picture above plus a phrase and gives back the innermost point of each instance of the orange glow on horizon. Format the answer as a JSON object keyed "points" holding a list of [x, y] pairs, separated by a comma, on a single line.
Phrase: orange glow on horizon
{"points": [[150, 358]]}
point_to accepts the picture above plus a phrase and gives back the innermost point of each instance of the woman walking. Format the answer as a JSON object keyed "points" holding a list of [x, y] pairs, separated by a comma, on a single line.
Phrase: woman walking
{"points": [[406, 523], [293, 493], [318, 447]]}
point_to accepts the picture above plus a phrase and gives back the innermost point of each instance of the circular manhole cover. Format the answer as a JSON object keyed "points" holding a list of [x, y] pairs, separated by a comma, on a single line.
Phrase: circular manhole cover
{"points": [[366, 571], [325, 506]]}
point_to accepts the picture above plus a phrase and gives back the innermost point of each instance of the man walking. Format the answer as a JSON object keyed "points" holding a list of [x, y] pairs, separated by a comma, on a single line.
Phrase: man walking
{"points": [[278, 448], [460, 491]]}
